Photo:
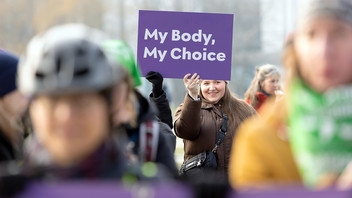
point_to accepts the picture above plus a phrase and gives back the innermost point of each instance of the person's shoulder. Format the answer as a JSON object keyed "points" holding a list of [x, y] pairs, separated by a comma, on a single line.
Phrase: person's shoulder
{"points": [[273, 109], [165, 129], [265, 125], [252, 127]]}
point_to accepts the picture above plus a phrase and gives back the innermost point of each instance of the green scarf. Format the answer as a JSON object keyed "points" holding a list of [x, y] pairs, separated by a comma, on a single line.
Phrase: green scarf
{"points": [[320, 130]]}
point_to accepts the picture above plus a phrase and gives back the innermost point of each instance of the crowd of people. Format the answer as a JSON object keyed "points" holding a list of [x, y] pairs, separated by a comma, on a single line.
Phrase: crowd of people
{"points": [[70, 108]]}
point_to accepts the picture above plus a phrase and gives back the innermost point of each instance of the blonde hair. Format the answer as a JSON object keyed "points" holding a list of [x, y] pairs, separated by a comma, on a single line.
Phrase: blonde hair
{"points": [[261, 73], [290, 62]]}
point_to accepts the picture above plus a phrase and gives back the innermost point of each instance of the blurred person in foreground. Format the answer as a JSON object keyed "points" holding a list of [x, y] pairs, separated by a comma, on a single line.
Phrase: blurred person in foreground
{"points": [[12, 106], [74, 89], [305, 138], [265, 84], [71, 84], [150, 139], [207, 121]]}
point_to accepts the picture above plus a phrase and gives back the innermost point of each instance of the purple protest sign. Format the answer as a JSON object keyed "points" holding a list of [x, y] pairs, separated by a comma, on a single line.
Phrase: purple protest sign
{"points": [[177, 43], [113, 189]]}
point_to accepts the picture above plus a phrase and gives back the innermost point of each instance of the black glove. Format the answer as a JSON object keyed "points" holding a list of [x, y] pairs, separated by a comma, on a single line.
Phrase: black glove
{"points": [[157, 81]]}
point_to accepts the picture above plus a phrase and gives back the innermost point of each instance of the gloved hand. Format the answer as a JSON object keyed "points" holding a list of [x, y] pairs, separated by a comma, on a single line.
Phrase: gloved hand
{"points": [[157, 81]]}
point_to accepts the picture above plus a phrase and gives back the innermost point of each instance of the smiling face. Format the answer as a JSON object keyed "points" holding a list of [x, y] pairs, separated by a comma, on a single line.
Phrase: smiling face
{"points": [[213, 90], [324, 47], [71, 127]]}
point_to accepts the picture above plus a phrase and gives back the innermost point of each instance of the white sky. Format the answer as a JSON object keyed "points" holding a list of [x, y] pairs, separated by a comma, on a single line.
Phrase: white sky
{"points": [[278, 20]]}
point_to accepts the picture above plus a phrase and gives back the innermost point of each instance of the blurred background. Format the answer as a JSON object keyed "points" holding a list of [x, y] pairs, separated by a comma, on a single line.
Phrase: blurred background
{"points": [[260, 29]]}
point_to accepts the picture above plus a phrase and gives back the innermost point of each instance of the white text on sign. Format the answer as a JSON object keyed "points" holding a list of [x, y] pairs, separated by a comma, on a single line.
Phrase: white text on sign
{"points": [[182, 53]]}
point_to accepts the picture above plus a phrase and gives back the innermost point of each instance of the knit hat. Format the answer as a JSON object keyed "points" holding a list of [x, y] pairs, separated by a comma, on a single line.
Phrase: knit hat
{"points": [[339, 9], [122, 53], [8, 69]]}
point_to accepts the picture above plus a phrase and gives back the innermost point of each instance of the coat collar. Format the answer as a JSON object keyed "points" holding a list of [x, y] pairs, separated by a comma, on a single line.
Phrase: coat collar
{"points": [[215, 107]]}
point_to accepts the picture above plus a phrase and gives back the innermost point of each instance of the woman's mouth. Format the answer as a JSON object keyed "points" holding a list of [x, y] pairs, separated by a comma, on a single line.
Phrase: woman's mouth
{"points": [[213, 93]]}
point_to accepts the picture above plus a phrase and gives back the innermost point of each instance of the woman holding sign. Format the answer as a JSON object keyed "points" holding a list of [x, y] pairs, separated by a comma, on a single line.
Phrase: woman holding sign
{"points": [[317, 110], [207, 121]]}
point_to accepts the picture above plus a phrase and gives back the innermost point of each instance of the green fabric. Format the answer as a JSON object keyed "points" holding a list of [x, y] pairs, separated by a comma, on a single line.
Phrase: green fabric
{"points": [[320, 130], [124, 56]]}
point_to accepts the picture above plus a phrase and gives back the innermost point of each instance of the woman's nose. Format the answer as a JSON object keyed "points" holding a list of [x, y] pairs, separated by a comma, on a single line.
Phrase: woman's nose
{"points": [[276, 85], [212, 87]]}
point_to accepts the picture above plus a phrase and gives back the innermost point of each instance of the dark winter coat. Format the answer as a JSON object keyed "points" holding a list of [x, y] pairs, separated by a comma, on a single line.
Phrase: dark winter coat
{"points": [[163, 106], [198, 124], [107, 162], [6, 150], [167, 140]]}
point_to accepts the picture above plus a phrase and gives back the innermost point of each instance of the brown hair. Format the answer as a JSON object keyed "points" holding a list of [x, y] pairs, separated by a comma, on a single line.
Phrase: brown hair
{"points": [[236, 109]]}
